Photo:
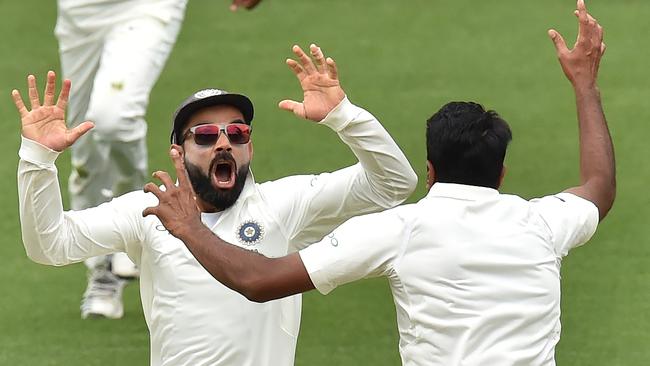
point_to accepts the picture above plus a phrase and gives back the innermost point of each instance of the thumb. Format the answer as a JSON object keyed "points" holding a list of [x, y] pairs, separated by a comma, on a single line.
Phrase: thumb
{"points": [[558, 41], [292, 106], [75, 133]]}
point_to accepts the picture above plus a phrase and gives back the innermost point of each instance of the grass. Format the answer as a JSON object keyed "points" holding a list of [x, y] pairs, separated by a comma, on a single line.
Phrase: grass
{"points": [[401, 60]]}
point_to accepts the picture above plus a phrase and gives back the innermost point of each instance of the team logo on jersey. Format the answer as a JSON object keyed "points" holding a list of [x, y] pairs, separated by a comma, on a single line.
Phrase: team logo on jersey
{"points": [[208, 93], [250, 232]]}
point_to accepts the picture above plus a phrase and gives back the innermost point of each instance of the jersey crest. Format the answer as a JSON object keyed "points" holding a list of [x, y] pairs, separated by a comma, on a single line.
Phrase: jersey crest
{"points": [[250, 232]]}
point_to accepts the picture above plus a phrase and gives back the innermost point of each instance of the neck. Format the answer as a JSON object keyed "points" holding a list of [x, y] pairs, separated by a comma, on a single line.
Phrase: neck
{"points": [[205, 207]]}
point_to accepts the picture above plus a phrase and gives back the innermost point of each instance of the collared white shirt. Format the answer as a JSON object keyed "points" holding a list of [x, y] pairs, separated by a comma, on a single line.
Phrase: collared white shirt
{"points": [[475, 274], [193, 319]]}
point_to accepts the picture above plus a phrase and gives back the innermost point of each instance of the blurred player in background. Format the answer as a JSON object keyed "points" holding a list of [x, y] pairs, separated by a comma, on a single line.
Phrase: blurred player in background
{"points": [[475, 274], [113, 52]]}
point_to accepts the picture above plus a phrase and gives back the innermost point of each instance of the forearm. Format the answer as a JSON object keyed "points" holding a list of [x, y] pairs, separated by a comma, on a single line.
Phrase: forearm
{"points": [[50, 235], [40, 206], [389, 175], [597, 163], [253, 275]]}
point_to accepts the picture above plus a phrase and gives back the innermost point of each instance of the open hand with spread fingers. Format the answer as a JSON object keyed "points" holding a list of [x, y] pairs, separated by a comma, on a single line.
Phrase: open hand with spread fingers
{"points": [[45, 123], [177, 208], [581, 63], [319, 80]]}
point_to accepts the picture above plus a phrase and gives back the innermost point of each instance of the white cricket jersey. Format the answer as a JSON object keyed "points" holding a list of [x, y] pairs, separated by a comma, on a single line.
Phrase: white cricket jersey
{"points": [[475, 274], [193, 319]]}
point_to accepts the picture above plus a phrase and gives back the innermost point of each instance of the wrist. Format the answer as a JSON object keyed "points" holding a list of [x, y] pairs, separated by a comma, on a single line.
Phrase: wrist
{"points": [[586, 87], [193, 229]]}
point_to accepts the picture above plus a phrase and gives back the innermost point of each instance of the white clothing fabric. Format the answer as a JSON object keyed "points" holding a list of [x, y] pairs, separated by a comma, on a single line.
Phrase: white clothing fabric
{"points": [[113, 52], [193, 319], [475, 274]]}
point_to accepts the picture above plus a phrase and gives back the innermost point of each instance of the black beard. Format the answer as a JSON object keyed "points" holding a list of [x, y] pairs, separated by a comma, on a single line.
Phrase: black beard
{"points": [[220, 199]]}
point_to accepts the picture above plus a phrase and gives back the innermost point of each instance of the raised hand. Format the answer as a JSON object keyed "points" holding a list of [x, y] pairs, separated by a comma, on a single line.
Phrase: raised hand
{"points": [[45, 123], [580, 64], [322, 91], [177, 208], [246, 4]]}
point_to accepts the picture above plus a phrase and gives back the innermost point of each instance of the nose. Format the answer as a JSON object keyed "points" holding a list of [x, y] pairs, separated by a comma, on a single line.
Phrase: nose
{"points": [[223, 143]]}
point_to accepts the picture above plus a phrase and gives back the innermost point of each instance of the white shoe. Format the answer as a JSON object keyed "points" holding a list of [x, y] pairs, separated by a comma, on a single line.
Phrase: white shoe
{"points": [[123, 267], [103, 296]]}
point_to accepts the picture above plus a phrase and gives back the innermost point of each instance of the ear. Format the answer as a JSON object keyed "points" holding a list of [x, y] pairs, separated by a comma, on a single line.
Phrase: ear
{"points": [[503, 174], [431, 175]]}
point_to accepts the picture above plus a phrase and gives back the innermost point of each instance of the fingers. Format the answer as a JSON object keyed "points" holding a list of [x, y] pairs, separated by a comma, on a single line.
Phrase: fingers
{"points": [[297, 69], [603, 48], [75, 133], [558, 41], [582, 12], [50, 86], [33, 92], [150, 211], [62, 102], [318, 56], [177, 160], [152, 188], [332, 70], [165, 179], [18, 101], [292, 106], [305, 60], [235, 5]]}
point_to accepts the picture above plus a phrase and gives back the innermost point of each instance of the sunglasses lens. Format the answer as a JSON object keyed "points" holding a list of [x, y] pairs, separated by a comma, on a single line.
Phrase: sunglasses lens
{"points": [[238, 133], [206, 134]]}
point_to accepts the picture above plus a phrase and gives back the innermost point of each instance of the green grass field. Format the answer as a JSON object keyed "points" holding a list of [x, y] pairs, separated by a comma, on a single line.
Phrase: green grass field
{"points": [[402, 60]]}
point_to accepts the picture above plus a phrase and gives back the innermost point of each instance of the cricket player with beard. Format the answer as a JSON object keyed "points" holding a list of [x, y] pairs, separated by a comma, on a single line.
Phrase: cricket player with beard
{"points": [[193, 319], [475, 274], [113, 52]]}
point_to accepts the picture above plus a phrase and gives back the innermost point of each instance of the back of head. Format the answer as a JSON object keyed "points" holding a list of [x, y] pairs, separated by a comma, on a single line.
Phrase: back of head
{"points": [[467, 144]]}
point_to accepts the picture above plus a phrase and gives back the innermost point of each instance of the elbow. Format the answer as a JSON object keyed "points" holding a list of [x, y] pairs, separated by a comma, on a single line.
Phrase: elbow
{"points": [[402, 187], [609, 196], [254, 290], [42, 258], [605, 191], [411, 183]]}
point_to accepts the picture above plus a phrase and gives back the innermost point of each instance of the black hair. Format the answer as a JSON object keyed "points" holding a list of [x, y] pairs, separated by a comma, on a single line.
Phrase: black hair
{"points": [[467, 144]]}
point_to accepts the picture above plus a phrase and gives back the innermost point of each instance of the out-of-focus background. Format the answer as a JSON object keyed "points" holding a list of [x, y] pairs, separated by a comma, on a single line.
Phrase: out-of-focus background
{"points": [[401, 60]]}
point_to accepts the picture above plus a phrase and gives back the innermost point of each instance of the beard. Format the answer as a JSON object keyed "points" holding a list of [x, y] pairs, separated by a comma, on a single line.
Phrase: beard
{"points": [[219, 198]]}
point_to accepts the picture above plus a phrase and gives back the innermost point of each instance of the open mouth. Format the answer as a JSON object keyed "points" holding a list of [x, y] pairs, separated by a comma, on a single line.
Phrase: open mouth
{"points": [[224, 174]]}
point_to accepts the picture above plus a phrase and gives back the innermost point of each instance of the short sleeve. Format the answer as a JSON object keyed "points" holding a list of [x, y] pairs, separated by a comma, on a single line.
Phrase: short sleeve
{"points": [[572, 220], [363, 247]]}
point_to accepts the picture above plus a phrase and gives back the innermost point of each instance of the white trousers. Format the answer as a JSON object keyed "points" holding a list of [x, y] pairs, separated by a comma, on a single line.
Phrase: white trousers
{"points": [[113, 69]]}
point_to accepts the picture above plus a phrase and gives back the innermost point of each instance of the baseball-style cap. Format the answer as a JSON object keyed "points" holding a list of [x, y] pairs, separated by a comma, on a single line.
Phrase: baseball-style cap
{"points": [[206, 98]]}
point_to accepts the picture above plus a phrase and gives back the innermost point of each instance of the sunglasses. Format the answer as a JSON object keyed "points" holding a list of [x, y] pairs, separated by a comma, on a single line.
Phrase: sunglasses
{"points": [[206, 135]]}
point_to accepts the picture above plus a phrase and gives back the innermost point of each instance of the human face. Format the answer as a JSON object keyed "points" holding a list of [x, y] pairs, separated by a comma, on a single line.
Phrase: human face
{"points": [[222, 164]]}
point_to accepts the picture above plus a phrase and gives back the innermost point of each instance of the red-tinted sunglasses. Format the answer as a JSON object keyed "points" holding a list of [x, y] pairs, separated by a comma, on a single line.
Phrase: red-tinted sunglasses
{"points": [[238, 133]]}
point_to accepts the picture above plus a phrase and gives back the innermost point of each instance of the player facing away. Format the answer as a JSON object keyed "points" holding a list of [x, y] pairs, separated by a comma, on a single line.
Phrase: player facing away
{"points": [[475, 274], [192, 318], [113, 51]]}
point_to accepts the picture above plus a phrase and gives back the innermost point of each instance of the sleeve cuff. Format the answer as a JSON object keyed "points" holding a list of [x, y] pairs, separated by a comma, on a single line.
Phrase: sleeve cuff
{"points": [[339, 117], [310, 261], [36, 153]]}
